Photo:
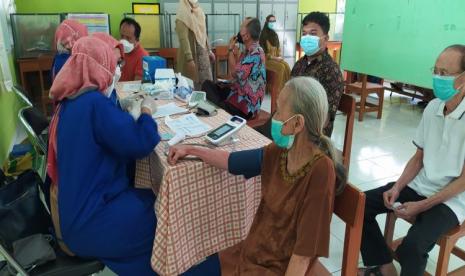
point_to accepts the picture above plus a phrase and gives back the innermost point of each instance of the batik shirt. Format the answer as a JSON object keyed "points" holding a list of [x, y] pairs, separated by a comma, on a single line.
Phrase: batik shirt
{"points": [[327, 72], [248, 89]]}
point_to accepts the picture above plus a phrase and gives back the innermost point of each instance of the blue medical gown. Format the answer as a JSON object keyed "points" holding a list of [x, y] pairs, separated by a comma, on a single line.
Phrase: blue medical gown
{"points": [[58, 62], [101, 214]]}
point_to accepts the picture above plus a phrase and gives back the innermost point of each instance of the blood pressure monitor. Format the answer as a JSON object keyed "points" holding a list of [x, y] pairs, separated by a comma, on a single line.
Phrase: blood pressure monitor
{"points": [[226, 130]]}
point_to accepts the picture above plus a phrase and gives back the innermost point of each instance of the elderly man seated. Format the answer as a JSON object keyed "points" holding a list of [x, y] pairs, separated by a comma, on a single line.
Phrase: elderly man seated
{"points": [[431, 188], [245, 95]]}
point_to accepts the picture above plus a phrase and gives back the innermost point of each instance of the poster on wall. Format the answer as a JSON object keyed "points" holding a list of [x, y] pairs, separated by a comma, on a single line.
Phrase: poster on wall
{"points": [[95, 22], [145, 8]]}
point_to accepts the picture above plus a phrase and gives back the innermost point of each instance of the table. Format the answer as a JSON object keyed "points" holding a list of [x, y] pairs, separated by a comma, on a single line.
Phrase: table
{"points": [[40, 65], [201, 210]]}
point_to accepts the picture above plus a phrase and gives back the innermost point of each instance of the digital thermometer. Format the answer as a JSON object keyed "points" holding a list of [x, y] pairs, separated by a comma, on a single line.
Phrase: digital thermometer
{"points": [[226, 130]]}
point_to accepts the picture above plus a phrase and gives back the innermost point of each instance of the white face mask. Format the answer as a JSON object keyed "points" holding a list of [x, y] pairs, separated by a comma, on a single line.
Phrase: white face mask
{"points": [[111, 87], [61, 49], [117, 74], [128, 46]]}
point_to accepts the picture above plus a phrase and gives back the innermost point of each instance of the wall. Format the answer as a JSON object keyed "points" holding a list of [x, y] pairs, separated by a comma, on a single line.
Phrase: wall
{"points": [[306, 6], [116, 8]]}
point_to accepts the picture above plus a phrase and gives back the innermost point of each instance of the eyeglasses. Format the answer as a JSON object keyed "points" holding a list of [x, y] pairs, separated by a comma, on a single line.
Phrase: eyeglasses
{"points": [[443, 72]]}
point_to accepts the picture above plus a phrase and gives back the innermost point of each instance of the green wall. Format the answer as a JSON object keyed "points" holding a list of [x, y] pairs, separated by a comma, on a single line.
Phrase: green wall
{"points": [[116, 8], [403, 41]]}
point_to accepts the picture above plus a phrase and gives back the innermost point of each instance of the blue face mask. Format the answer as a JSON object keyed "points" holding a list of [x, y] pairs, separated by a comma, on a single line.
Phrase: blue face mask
{"points": [[443, 87], [282, 141], [310, 44], [272, 25]]}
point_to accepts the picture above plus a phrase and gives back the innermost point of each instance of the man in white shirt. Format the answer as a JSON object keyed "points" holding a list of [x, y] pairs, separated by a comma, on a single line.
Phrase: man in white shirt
{"points": [[431, 187]]}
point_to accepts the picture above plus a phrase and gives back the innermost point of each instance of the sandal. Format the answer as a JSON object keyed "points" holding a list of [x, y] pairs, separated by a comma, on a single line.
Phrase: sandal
{"points": [[373, 271]]}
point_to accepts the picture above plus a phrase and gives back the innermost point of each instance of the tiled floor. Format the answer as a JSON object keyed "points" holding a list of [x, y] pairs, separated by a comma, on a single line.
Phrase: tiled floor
{"points": [[380, 150]]}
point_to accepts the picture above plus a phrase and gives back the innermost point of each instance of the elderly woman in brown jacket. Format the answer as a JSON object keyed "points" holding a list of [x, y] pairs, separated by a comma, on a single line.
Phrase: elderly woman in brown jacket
{"points": [[194, 56]]}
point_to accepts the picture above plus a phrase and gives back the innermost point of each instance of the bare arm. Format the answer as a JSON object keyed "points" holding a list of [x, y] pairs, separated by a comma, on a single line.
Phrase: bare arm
{"points": [[216, 158], [413, 167], [298, 265], [454, 188]]}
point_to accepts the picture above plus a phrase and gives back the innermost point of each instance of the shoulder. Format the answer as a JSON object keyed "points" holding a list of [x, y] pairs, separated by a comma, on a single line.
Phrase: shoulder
{"points": [[323, 173], [432, 107], [271, 152], [141, 51]]}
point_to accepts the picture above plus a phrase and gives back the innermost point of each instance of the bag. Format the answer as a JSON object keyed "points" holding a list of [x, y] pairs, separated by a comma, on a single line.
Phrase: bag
{"points": [[33, 251], [21, 159], [22, 212]]}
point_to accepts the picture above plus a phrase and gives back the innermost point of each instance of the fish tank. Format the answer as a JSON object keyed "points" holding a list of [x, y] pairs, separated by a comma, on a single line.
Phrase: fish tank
{"points": [[34, 34]]}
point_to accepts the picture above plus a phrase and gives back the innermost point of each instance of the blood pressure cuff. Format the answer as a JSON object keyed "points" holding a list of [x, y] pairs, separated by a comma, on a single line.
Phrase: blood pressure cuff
{"points": [[247, 163]]}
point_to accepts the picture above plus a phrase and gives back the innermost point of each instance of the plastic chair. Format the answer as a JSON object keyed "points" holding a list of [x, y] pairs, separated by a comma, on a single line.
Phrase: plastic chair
{"points": [[350, 207]]}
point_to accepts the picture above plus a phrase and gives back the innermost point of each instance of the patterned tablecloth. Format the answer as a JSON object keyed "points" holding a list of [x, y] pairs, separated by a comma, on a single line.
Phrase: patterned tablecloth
{"points": [[200, 210]]}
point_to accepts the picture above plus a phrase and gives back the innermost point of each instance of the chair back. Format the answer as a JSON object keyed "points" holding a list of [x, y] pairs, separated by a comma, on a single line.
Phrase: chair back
{"points": [[347, 106], [221, 55], [350, 207], [170, 54]]}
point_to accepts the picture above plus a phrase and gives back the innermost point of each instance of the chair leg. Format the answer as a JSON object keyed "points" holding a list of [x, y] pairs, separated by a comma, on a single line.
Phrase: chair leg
{"points": [[380, 104], [363, 98], [445, 249]]}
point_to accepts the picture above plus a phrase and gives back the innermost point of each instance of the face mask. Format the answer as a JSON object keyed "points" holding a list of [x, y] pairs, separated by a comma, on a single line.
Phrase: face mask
{"points": [[117, 74], [193, 2], [239, 38], [272, 25], [61, 49], [282, 141], [128, 46], [310, 44], [111, 87], [443, 87]]}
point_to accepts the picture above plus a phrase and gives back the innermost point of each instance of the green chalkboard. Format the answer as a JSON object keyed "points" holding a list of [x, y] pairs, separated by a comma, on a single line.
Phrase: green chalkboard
{"points": [[400, 39]]}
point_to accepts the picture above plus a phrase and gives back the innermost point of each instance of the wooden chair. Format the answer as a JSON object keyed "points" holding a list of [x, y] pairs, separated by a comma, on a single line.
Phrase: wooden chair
{"points": [[364, 88], [170, 54], [221, 54], [264, 116], [347, 106], [45, 66], [260, 119], [446, 246], [349, 206]]}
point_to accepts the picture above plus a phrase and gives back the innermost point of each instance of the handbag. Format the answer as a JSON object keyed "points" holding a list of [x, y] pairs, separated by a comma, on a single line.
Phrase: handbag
{"points": [[22, 213]]}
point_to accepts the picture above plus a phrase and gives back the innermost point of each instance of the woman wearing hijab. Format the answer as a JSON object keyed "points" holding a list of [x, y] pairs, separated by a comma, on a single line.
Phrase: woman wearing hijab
{"points": [[118, 51], [269, 41], [67, 33], [300, 177], [194, 55], [96, 211]]}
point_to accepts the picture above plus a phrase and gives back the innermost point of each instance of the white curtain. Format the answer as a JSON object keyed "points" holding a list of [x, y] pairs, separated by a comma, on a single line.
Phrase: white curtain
{"points": [[6, 43]]}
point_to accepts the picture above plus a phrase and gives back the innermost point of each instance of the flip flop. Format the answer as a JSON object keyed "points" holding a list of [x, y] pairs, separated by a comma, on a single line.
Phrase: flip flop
{"points": [[373, 271]]}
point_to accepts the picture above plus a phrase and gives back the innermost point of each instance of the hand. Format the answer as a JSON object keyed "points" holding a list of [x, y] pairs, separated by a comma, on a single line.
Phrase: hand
{"points": [[232, 42], [135, 108], [191, 70], [176, 153], [212, 57], [148, 106], [409, 210], [390, 197]]}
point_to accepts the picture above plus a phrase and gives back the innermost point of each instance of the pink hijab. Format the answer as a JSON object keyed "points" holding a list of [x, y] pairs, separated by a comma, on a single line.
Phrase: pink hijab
{"points": [[91, 66], [110, 41], [70, 31]]}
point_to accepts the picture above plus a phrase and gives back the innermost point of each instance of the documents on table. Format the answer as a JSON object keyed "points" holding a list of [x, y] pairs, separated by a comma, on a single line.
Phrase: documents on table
{"points": [[189, 124], [131, 87], [167, 110]]}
